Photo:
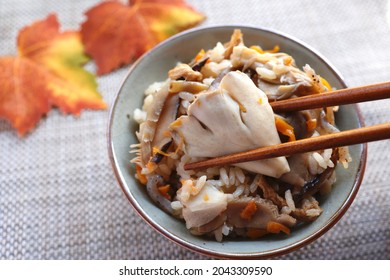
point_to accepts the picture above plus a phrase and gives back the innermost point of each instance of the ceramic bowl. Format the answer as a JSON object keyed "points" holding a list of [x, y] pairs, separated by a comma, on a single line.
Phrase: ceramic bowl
{"points": [[152, 67]]}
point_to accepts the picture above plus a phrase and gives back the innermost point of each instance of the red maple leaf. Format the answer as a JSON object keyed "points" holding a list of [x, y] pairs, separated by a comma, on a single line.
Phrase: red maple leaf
{"points": [[115, 34]]}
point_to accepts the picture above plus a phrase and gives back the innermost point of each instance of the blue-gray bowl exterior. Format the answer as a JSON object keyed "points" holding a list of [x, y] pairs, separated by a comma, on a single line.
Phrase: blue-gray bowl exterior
{"points": [[152, 67]]}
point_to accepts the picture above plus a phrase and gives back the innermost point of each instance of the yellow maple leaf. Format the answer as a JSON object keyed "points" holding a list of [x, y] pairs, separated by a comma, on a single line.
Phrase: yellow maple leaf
{"points": [[46, 72]]}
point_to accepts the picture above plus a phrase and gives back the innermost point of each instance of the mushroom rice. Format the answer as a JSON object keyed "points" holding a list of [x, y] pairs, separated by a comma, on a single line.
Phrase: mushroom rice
{"points": [[218, 104]]}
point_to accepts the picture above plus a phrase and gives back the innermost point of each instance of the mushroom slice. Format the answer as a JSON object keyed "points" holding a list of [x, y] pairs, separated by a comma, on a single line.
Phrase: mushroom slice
{"points": [[235, 40], [309, 210], [203, 207], [188, 86], [154, 182], [278, 75], [148, 128], [184, 71], [233, 118], [265, 212], [162, 137]]}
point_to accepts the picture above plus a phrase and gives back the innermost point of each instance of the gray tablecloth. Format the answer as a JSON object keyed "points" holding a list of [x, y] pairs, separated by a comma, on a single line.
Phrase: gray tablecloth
{"points": [[59, 198]]}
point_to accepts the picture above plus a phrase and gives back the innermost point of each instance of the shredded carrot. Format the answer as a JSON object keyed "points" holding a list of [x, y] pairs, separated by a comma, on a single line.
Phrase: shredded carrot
{"points": [[255, 233], [275, 49], [163, 190], [206, 197], [260, 101], [325, 83], [249, 210], [275, 227], [141, 177], [151, 166], [284, 128], [200, 55], [288, 60], [311, 124], [257, 48], [156, 150]]}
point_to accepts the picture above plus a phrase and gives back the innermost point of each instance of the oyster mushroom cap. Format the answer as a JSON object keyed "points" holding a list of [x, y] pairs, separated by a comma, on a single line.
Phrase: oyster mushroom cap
{"points": [[204, 207], [233, 118]]}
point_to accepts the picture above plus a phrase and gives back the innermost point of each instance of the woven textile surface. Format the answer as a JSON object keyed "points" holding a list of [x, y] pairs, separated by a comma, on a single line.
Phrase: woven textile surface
{"points": [[59, 198]]}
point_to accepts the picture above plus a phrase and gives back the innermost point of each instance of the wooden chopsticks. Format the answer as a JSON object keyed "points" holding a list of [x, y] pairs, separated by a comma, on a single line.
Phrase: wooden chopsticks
{"points": [[334, 98], [344, 138]]}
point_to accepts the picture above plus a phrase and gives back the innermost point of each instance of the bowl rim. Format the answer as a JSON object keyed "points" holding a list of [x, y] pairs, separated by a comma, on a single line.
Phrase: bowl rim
{"points": [[212, 253]]}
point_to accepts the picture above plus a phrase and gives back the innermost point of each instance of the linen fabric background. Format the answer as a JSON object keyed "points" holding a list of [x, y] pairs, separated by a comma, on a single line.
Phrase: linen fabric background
{"points": [[59, 198]]}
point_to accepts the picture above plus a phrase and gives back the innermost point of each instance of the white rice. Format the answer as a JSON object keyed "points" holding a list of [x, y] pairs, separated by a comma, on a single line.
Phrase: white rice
{"points": [[240, 175], [313, 212], [253, 186], [176, 205], [184, 174], [139, 116], [216, 183], [289, 200], [200, 182], [239, 191], [231, 180], [232, 177], [226, 229], [223, 176], [320, 160]]}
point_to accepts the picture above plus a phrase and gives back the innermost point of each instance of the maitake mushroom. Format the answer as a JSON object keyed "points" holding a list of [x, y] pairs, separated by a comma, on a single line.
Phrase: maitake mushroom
{"points": [[233, 118]]}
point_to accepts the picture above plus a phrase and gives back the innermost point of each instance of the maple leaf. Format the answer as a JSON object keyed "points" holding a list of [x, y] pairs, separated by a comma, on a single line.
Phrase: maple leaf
{"points": [[46, 72], [115, 34]]}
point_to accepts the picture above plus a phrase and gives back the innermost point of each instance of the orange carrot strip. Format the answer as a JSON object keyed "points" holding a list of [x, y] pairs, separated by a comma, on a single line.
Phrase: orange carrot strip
{"points": [[288, 60], [311, 124], [257, 48], [151, 166], [284, 128], [275, 49], [249, 210], [200, 55], [274, 227], [156, 150], [141, 177], [325, 83], [163, 190]]}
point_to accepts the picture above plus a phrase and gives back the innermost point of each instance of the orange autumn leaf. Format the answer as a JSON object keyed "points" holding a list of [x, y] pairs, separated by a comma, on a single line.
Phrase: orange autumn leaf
{"points": [[46, 72], [19, 101], [115, 34]]}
